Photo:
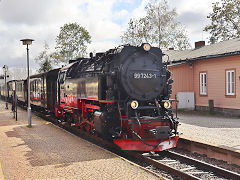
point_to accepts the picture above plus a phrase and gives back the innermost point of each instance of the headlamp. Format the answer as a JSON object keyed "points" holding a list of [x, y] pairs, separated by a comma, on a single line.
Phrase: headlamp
{"points": [[167, 104], [134, 104], [146, 47]]}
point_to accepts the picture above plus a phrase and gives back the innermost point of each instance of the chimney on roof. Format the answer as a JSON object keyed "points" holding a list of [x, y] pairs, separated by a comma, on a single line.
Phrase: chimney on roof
{"points": [[199, 44], [171, 48]]}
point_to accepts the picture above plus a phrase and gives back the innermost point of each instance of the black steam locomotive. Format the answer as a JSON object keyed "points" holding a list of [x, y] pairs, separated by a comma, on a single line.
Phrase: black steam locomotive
{"points": [[121, 95]]}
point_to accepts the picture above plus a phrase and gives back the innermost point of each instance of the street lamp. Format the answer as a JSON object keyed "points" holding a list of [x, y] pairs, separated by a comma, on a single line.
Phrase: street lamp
{"points": [[28, 42], [5, 69]]}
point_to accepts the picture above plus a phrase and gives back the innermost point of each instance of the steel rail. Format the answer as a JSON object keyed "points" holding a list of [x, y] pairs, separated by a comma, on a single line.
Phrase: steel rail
{"points": [[163, 166], [180, 173], [203, 165]]}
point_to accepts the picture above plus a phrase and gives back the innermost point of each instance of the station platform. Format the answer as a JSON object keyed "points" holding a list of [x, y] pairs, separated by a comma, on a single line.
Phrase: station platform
{"points": [[211, 129], [46, 151]]}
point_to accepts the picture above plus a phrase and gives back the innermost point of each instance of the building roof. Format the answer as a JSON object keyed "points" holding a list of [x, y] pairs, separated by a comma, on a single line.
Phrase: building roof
{"points": [[224, 48]]}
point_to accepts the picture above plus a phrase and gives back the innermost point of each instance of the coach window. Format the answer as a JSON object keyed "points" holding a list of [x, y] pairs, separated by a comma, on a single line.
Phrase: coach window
{"points": [[31, 86], [62, 77], [203, 83], [230, 82], [37, 85]]}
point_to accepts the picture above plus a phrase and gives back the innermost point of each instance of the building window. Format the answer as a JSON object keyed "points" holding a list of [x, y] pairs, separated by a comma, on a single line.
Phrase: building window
{"points": [[203, 83], [230, 82]]}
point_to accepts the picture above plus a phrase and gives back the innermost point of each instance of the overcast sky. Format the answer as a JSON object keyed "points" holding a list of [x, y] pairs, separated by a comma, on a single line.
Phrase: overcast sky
{"points": [[104, 19]]}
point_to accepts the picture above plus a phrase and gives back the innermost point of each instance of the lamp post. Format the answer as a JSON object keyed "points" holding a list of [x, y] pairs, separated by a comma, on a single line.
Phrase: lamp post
{"points": [[5, 69], [28, 42]]}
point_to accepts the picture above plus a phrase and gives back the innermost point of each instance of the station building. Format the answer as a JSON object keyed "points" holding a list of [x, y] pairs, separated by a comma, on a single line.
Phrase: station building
{"points": [[207, 77]]}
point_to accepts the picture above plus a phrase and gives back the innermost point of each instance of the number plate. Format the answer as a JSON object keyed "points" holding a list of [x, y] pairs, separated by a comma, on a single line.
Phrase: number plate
{"points": [[144, 75]]}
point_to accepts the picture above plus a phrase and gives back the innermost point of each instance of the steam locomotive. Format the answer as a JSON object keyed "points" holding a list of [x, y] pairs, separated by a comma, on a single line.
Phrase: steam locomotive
{"points": [[121, 95]]}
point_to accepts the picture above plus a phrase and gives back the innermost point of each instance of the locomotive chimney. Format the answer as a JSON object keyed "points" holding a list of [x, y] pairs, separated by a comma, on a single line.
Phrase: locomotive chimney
{"points": [[199, 44]]}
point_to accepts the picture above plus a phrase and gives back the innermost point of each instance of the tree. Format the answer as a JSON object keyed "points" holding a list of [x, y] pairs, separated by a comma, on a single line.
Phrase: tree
{"points": [[71, 42], [225, 20], [137, 32], [159, 27], [44, 59]]}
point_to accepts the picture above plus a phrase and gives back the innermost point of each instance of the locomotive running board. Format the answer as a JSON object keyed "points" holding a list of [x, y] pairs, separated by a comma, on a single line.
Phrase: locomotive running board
{"points": [[138, 145]]}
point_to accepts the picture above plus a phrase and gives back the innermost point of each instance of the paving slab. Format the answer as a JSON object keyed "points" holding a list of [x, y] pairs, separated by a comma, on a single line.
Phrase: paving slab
{"points": [[218, 131], [46, 151]]}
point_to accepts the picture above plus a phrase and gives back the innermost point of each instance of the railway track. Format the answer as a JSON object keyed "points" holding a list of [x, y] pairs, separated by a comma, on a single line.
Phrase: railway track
{"points": [[173, 163], [185, 167]]}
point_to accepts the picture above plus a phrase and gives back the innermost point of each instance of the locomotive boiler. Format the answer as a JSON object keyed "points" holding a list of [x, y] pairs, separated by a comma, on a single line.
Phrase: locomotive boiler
{"points": [[121, 95]]}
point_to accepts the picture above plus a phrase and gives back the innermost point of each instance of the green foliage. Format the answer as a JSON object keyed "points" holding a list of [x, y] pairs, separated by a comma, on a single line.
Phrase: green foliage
{"points": [[225, 20], [159, 27], [44, 59], [71, 42], [46, 66], [137, 32]]}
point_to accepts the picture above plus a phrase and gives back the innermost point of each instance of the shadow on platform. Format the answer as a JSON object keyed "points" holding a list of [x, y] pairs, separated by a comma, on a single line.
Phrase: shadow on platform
{"points": [[53, 146]]}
